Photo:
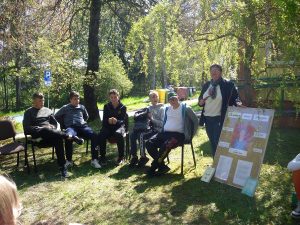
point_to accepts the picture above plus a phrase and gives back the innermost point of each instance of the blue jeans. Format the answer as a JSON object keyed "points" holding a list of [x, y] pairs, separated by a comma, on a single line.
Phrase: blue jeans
{"points": [[213, 129], [87, 133]]}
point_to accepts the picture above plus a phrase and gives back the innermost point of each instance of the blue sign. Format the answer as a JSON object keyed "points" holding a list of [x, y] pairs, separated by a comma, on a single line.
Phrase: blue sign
{"points": [[47, 77]]}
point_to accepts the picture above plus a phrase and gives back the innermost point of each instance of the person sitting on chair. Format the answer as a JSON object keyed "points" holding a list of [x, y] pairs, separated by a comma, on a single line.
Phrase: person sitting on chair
{"points": [[149, 124], [40, 123], [74, 117], [180, 125], [113, 125]]}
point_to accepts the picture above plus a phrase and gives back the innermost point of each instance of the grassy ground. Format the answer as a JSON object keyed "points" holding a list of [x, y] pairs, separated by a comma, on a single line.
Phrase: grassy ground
{"points": [[132, 103], [119, 195]]}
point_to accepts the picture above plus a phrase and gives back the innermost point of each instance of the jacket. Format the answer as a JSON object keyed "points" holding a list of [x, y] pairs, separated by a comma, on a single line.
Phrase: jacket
{"points": [[190, 121], [229, 98]]}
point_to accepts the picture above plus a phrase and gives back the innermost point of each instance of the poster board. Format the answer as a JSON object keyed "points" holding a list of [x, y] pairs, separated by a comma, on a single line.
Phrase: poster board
{"points": [[242, 144]]}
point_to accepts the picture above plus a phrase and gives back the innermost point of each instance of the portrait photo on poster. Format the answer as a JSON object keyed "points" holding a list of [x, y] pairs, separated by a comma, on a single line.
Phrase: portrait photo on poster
{"points": [[241, 138]]}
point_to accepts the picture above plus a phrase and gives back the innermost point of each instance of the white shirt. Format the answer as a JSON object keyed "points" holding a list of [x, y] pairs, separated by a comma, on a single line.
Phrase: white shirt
{"points": [[174, 121], [213, 106]]}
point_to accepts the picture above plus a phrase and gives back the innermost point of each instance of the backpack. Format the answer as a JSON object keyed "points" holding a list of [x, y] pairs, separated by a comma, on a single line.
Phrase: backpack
{"points": [[141, 120]]}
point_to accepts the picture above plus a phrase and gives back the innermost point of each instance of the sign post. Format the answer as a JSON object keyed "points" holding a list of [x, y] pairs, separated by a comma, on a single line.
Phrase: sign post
{"points": [[47, 81]]}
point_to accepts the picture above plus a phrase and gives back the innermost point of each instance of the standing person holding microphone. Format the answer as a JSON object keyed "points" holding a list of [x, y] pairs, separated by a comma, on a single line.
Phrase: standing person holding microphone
{"points": [[215, 97]]}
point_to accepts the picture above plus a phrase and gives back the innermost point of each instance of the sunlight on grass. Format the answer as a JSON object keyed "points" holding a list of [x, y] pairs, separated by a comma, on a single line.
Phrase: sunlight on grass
{"points": [[120, 195]]}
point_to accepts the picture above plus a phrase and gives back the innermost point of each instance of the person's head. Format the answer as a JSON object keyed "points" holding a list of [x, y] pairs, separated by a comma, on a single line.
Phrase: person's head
{"points": [[38, 100], [74, 98], [215, 71], [153, 96], [114, 96], [9, 202], [173, 99]]}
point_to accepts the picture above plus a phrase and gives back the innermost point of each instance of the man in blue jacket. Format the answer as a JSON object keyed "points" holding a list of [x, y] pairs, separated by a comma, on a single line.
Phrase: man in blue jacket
{"points": [[180, 124]]}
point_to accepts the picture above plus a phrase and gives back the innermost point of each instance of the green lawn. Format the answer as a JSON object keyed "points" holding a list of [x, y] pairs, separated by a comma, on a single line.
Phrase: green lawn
{"points": [[119, 195], [132, 103]]}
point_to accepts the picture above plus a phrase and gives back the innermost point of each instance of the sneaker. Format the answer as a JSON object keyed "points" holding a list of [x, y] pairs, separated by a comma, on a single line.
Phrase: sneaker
{"points": [[64, 172], [120, 160], [68, 164], [133, 161], [95, 164], [78, 140], [143, 161], [163, 169]]}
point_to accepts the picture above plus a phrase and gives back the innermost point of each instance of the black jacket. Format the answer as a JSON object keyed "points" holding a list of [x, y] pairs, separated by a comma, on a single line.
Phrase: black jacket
{"points": [[119, 113], [229, 97]]}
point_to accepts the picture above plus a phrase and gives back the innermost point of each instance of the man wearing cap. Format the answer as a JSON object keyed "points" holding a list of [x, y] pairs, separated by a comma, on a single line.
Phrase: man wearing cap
{"points": [[180, 124]]}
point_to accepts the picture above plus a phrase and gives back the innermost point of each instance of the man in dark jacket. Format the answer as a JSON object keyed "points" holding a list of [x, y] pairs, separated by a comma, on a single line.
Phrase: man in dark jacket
{"points": [[40, 123], [215, 97], [74, 117], [113, 125]]}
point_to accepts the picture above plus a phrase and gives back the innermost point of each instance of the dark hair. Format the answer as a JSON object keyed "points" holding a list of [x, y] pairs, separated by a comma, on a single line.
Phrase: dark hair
{"points": [[217, 66], [74, 94], [114, 92], [37, 95]]}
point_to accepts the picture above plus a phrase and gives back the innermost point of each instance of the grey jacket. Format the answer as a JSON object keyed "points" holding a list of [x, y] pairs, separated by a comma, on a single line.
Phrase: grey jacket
{"points": [[72, 116], [190, 121]]}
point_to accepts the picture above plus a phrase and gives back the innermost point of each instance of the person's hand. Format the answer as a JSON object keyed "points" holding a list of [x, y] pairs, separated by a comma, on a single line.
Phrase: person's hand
{"points": [[150, 116], [114, 120], [110, 120]]}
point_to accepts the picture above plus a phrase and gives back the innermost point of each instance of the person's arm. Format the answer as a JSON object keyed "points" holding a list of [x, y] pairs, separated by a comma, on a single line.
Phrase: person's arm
{"points": [[160, 120], [105, 116], [60, 114], [121, 118], [85, 113], [201, 101], [191, 114], [53, 121], [294, 164], [28, 123]]}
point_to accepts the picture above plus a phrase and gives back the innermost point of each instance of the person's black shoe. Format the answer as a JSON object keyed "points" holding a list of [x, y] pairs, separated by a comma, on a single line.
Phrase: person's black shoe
{"points": [[133, 161], [78, 140], [143, 161], [120, 161], [103, 161], [296, 212], [163, 169], [151, 173]]}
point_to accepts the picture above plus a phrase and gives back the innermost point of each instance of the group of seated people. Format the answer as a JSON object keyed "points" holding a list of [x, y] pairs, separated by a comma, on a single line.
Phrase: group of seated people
{"points": [[157, 128]]}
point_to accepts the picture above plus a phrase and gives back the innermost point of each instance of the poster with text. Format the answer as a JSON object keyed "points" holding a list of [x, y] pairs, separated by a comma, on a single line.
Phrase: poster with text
{"points": [[242, 144]]}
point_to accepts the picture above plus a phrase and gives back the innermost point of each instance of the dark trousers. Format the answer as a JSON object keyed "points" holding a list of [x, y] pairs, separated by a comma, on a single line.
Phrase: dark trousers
{"points": [[213, 130], [142, 136], [106, 133], [83, 131], [165, 141], [53, 137]]}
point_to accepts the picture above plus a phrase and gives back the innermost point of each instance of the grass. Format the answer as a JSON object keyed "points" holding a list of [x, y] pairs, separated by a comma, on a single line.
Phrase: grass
{"points": [[132, 103], [119, 195]]}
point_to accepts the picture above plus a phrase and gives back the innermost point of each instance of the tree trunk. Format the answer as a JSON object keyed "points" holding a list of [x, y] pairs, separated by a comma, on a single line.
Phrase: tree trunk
{"points": [[151, 63], [163, 57], [90, 99]]}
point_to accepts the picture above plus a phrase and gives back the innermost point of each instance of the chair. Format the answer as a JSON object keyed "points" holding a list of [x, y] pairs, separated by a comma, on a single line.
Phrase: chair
{"points": [[182, 153], [7, 131], [36, 142]]}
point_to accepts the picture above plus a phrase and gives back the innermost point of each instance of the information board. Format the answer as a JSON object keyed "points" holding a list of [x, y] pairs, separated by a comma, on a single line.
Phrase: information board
{"points": [[242, 144]]}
